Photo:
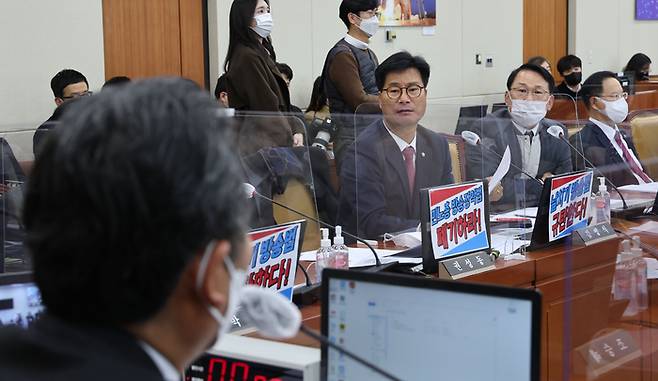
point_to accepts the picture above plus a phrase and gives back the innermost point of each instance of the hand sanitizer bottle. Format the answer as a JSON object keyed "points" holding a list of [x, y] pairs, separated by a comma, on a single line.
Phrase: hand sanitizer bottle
{"points": [[602, 203], [323, 255], [641, 269], [340, 252], [621, 284]]}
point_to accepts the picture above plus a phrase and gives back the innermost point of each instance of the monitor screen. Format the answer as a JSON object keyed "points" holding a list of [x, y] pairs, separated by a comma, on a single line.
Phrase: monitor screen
{"points": [[646, 10], [424, 329], [20, 300]]}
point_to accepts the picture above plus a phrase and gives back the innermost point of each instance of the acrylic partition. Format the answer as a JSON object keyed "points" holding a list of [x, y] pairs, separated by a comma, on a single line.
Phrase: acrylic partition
{"points": [[290, 180]]}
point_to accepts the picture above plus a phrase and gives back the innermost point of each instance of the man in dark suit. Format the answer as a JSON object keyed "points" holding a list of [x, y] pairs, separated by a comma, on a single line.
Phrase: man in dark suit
{"points": [[393, 158], [137, 235], [523, 127], [610, 149]]}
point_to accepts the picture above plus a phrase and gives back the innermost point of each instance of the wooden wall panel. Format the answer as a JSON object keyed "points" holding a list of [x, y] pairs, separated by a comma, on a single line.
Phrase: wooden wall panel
{"points": [[147, 38], [545, 30], [192, 40]]}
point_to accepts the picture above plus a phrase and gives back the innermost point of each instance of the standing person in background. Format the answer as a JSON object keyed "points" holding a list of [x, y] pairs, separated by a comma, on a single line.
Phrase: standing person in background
{"points": [[540, 61], [571, 68], [639, 66], [349, 70], [253, 81]]}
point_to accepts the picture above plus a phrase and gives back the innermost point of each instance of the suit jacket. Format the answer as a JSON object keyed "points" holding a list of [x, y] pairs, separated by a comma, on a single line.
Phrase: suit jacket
{"points": [[598, 149], [497, 131], [56, 350], [374, 193]]}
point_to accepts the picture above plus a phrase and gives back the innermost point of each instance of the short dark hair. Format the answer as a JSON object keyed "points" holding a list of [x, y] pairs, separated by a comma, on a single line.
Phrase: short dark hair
{"points": [[221, 86], [593, 85], [64, 78], [132, 186], [568, 62], [116, 81], [399, 62], [285, 70], [355, 6], [537, 60], [534, 68]]}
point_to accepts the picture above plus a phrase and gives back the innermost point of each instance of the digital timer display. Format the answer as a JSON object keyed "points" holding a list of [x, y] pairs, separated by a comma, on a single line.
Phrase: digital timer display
{"points": [[218, 368]]}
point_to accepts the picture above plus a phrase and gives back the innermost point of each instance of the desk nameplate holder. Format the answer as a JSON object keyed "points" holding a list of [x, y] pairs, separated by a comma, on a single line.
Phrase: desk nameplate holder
{"points": [[466, 265], [605, 353], [593, 234]]}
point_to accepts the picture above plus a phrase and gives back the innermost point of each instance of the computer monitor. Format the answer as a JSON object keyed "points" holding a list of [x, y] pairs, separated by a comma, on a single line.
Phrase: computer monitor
{"points": [[427, 329], [20, 300]]}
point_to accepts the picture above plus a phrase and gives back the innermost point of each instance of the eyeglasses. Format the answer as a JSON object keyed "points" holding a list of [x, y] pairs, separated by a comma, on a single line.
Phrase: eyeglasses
{"points": [[395, 92], [82, 94], [523, 93], [614, 97]]}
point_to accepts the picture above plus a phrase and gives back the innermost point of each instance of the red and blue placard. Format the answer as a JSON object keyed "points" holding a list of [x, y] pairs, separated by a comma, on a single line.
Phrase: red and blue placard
{"points": [[274, 257], [458, 219], [568, 204]]}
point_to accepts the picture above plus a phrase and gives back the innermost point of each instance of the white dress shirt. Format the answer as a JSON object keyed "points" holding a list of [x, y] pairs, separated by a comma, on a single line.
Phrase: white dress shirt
{"points": [[530, 150], [610, 133], [356, 43], [401, 143], [166, 368]]}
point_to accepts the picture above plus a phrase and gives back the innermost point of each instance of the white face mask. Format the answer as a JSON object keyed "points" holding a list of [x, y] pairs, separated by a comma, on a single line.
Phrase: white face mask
{"points": [[264, 24], [370, 26], [617, 110], [238, 278], [527, 114]]}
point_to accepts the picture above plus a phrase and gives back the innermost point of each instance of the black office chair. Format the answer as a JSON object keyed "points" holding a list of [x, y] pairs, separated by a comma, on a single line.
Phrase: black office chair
{"points": [[467, 115], [497, 106]]}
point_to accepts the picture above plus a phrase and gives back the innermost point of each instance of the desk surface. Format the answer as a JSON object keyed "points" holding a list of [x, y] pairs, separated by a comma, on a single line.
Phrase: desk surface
{"points": [[576, 285]]}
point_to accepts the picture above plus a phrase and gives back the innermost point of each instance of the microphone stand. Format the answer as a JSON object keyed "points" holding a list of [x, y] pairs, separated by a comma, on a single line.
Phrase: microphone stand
{"points": [[378, 264], [598, 171], [347, 353]]}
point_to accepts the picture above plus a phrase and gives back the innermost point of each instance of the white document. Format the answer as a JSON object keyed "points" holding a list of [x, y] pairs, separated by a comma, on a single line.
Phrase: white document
{"points": [[501, 171], [409, 240], [652, 268], [358, 255], [616, 204], [649, 188]]}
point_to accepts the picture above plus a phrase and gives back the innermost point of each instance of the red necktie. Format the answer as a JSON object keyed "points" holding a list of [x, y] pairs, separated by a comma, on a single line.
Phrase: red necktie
{"points": [[408, 154], [629, 159]]}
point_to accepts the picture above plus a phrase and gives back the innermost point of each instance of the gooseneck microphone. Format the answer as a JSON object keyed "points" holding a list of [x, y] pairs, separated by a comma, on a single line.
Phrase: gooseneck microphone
{"points": [[275, 317], [473, 139], [309, 332], [558, 132], [250, 190]]}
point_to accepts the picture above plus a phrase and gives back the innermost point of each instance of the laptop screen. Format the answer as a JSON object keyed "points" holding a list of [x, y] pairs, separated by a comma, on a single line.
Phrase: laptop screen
{"points": [[20, 300], [420, 329]]}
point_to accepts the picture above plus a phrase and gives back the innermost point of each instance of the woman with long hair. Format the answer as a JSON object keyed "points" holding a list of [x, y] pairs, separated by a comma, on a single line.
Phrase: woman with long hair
{"points": [[640, 66], [253, 81]]}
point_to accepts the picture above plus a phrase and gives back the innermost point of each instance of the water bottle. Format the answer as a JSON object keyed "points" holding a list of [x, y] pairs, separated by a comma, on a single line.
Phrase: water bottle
{"points": [[641, 270], [622, 278], [323, 255], [339, 252]]}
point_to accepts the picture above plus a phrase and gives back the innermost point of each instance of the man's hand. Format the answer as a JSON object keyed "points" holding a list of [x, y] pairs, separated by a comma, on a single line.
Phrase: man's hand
{"points": [[546, 175], [298, 140]]}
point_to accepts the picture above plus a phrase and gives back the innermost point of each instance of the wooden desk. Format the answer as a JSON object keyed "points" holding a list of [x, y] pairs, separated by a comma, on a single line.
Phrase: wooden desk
{"points": [[576, 284]]}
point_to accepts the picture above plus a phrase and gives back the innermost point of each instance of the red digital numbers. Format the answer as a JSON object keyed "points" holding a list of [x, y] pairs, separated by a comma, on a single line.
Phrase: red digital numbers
{"points": [[234, 370]]}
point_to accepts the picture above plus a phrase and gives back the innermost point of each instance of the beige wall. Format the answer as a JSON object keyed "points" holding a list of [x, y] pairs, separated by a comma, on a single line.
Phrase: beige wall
{"points": [[305, 30], [605, 34]]}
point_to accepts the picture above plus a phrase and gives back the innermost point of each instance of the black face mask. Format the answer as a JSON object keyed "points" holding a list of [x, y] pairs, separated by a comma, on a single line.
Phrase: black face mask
{"points": [[574, 78], [644, 75]]}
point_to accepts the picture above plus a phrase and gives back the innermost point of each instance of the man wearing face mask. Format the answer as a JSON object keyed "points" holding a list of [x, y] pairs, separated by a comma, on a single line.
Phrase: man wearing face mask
{"points": [[571, 68], [523, 127], [137, 231], [609, 148], [349, 71]]}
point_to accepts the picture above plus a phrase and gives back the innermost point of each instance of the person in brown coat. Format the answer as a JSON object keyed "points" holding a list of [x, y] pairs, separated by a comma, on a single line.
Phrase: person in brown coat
{"points": [[254, 82]]}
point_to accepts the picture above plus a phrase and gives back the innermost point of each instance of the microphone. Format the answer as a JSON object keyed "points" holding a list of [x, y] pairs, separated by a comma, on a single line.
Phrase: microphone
{"points": [[473, 139], [250, 191], [277, 318], [558, 132]]}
